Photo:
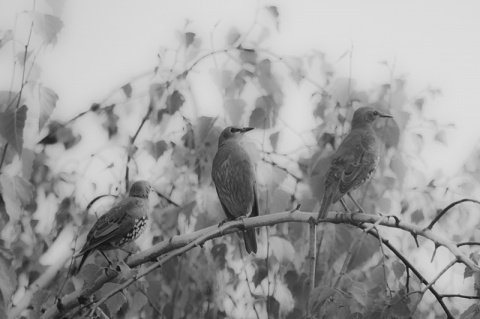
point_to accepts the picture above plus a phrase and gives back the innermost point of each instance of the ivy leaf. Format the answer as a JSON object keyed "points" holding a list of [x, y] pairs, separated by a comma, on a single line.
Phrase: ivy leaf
{"points": [[235, 109], [156, 149], [11, 127], [46, 26], [115, 302], [47, 100]]}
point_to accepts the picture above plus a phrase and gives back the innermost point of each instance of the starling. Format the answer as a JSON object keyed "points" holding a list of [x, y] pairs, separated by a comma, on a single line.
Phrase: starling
{"points": [[233, 174], [122, 224], [355, 160]]}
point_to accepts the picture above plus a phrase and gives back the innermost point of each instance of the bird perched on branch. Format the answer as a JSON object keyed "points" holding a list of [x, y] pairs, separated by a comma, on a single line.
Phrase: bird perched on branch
{"points": [[233, 174], [122, 224], [355, 160]]}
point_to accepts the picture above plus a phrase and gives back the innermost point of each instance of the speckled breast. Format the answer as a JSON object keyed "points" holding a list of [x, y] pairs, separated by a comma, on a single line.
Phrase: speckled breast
{"points": [[135, 232]]}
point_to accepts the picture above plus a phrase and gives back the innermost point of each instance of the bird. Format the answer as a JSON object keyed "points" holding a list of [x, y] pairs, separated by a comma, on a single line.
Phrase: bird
{"points": [[122, 224], [233, 173], [355, 160]]}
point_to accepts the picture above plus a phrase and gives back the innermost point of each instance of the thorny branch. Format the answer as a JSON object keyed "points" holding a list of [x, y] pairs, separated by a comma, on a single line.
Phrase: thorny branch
{"points": [[180, 242]]}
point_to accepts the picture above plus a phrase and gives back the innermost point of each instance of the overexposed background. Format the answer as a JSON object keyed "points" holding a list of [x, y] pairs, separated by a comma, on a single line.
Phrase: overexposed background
{"points": [[432, 43]]}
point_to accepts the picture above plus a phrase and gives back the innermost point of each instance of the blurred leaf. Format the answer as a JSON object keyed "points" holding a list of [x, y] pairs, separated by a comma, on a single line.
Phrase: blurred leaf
{"points": [[111, 123], [11, 127], [473, 312], [378, 275], [419, 103], [174, 102], [218, 252], [22, 58], [340, 91], [28, 156], [235, 109], [115, 302], [8, 281], [441, 137], [389, 133], [400, 307], [258, 119], [232, 36], [189, 38], [398, 269], [364, 252], [417, 216], [156, 149], [90, 273], [248, 56], [321, 106], [274, 140], [280, 201], [399, 168], [139, 300], [127, 89], [8, 98], [157, 92], [48, 100], [359, 293], [261, 271], [384, 205], [10, 197], [6, 37], [46, 26]]}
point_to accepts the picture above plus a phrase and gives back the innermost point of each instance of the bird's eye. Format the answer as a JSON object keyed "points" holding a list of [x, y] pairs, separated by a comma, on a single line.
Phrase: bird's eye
{"points": [[375, 113]]}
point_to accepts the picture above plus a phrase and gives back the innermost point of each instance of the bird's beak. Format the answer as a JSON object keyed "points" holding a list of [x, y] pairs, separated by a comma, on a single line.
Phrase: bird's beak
{"points": [[245, 129], [385, 115]]}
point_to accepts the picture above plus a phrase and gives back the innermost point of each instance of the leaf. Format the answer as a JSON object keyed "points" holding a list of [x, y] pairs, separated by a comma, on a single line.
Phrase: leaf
{"points": [[12, 202], [46, 26], [127, 89], [441, 137], [156, 149], [472, 312], [139, 300], [28, 156], [7, 36], [47, 101], [111, 123], [232, 36], [274, 140], [417, 216], [273, 10], [22, 58], [11, 127], [90, 273], [398, 269], [235, 109], [189, 38], [115, 302], [8, 98], [248, 56], [174, 102], [8, 281], [258, 119], [419, 103]]}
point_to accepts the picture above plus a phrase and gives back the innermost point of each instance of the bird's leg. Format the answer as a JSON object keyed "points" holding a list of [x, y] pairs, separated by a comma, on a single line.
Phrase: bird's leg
{"points": [[360, 209], [108, 260], [345, 206]]}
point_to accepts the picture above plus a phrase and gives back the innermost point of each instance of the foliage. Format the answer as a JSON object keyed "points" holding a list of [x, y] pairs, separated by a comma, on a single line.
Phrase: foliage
{"points": [[50, 189]]}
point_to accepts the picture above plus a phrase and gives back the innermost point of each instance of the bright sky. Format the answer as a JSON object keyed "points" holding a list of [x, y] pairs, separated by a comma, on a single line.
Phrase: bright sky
{"points": [[106, 43]]}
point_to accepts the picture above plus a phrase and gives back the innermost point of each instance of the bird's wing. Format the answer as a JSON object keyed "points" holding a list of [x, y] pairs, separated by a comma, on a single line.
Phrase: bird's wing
{"points": [[255, 202], [352, 163], [107, 226]]}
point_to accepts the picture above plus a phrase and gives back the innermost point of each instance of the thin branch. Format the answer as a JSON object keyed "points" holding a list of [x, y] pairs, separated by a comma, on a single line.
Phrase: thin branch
{"points": [[312, 263], [459, 296], [446, 209], [3, 156], [409, 266], [469, 243]]}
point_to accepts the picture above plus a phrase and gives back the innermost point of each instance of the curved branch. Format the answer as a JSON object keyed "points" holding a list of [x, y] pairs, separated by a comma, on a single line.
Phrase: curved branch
{"points": [[446, 209], [71, 301]]}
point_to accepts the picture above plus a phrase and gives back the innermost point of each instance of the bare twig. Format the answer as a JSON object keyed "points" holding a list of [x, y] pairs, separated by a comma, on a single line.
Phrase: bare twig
{"points": [[3, 156], [446, 209], [312, 262]]}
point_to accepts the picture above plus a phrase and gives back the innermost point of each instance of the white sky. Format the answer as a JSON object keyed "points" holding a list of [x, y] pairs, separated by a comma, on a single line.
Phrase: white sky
{"points": [[105, 43]]}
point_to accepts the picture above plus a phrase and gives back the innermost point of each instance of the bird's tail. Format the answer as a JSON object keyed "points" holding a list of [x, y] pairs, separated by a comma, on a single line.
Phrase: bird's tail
{"points": [[250, 239], [326, 204], [84, 257]]}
